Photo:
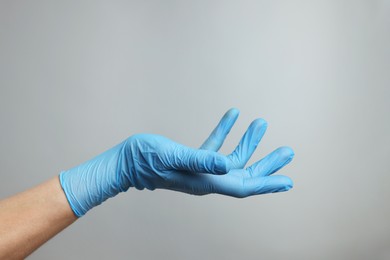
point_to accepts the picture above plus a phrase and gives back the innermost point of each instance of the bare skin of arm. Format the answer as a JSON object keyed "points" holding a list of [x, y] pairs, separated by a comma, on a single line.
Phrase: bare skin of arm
{"points": [[32, 217]]}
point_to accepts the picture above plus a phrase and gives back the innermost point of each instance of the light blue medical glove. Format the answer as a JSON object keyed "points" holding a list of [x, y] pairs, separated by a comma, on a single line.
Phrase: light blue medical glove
{"points": [[239, 182], [152, 161]]}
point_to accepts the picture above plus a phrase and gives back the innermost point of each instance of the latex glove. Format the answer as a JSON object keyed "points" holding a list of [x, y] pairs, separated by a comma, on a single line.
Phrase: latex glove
{"points": [[239, 182], [152, 161]]}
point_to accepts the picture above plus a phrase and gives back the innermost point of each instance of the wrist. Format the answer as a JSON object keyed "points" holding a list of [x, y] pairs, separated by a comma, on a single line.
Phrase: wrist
{"points": [[91, 183]]}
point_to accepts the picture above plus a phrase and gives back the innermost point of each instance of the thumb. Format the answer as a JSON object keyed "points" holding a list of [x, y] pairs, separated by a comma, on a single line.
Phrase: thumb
{"points": [[197, 160]]}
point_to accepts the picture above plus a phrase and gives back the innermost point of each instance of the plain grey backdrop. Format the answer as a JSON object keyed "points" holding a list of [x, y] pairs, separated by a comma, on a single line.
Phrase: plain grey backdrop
{"points": [[77, 77]]}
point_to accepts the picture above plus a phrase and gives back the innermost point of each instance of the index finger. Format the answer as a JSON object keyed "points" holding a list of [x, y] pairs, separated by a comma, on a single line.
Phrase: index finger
{"points": [[218, 136]]}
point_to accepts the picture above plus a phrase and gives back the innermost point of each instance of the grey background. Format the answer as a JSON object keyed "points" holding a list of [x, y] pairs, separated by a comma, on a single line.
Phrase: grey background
{"points": [[77, 77]]}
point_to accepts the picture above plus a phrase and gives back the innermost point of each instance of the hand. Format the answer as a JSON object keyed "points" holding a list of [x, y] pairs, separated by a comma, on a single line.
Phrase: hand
{"points": [[238, 182], [152, 161]]}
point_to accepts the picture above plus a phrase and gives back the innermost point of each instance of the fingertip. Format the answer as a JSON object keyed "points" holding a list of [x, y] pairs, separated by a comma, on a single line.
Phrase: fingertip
{"points": [[258, 126], [288, 183], [222, 164], [230, 117], [233, 112], [217, 137], [260, 122], [286, 152], [278, 183]]}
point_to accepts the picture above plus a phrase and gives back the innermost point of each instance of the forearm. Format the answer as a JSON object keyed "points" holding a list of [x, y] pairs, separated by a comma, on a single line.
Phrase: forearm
{"points": [[30, 218], [142, 161]]}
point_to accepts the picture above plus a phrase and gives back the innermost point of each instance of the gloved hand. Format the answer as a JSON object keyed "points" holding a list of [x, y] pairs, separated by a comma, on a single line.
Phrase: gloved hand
{"points": [[152, 161]]}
